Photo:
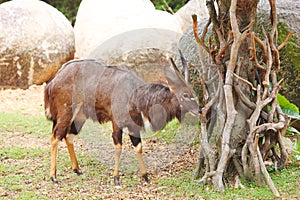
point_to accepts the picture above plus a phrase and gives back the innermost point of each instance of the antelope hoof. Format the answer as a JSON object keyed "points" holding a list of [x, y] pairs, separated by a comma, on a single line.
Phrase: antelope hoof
{"points": [[117, 181], [54, 181], [146, 178], [77, 171]]}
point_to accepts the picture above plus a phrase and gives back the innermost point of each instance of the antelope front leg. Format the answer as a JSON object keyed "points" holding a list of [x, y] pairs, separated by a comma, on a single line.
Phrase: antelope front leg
{"points": [[70, 145], [137, 142], [118, 149], [54, 145], [117, 138]]}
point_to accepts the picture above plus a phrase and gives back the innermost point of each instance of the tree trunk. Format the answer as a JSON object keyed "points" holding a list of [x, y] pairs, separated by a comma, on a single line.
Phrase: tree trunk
{"points": [[241, 122]]}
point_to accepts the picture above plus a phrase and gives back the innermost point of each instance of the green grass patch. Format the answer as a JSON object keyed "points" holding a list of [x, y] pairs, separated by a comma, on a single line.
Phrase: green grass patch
{"points": [[24, 124], [17, 152], [24, 171], [286, 181], [174, 132]]}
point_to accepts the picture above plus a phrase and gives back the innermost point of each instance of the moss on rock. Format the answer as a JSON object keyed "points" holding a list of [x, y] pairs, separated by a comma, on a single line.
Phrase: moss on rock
{"points": [[290, 65]]}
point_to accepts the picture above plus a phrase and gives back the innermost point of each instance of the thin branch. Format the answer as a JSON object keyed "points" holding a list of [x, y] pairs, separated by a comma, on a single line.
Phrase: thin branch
{"points": [[205, 30], [283, 153], [206, 108], [254, 57], [285, 41], [212, 79], [266, 174], [273, 35], [247, 101], [244, 98], [213, 15], [238, 183], [255, 143], [245, 81], [195, 30], [206, 176], [169, 8], [263, 46], [268, 126], [269, 62]]}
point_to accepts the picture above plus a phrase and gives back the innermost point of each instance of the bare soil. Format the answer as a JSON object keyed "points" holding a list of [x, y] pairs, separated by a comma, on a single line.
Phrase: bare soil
{"points": [[29, 101]]}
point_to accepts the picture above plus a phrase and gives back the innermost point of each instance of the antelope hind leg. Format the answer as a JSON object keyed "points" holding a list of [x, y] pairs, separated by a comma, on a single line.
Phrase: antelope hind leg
{"points": [[70, 145], [54, 145]]}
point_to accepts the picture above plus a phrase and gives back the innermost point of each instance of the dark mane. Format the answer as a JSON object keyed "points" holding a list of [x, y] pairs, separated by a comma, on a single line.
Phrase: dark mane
{"points": [[154, 100]]}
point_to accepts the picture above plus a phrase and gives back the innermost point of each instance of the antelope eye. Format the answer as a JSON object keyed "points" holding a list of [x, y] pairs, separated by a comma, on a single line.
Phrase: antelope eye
{"points": [[185, 95]]}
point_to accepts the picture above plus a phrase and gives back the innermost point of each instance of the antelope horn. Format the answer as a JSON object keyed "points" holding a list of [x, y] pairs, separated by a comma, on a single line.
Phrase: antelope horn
{"points": [[185, 67]]}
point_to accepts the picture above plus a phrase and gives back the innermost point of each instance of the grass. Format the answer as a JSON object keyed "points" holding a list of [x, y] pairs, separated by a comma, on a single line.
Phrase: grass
{"points": [[24, 170], [287, 181], [25, 124]]}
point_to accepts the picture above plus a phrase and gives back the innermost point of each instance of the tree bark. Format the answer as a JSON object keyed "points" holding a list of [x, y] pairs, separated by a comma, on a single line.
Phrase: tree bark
{"points": [[239, 85]]}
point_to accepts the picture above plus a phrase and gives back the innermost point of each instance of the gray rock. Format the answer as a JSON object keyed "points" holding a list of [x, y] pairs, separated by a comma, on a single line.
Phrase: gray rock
{"points": [[288, 12], [127, 32], [98, 21], [145, 51], [35, 39]]}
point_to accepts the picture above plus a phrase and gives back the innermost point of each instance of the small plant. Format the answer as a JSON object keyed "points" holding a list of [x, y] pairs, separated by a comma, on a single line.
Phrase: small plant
{"points": [[287, 107]]}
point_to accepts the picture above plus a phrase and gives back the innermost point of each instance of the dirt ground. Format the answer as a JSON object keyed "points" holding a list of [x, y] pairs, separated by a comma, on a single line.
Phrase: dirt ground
{"points": [[29, 101]]}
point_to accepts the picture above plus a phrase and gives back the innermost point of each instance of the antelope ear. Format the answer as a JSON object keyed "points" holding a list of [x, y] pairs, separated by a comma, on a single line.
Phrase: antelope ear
{"points": [[174, 78]]}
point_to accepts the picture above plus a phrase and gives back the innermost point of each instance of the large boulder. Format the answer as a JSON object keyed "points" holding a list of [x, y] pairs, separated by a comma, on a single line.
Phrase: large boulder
{"points": [[184, 14], [35, 39], [126, 32]]}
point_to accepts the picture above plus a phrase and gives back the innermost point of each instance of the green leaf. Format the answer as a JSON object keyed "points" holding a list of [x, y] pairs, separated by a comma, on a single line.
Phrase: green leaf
{"points": [[290, 113], [293, 130], [287, 107]]}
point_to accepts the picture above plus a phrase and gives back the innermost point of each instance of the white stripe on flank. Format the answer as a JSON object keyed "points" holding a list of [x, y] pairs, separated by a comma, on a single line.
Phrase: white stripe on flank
{"points": [[147, 124], [76, 110]]}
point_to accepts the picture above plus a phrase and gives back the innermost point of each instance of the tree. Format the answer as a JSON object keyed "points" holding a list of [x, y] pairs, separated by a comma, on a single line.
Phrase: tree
{"points": [[241, 122], [67, 7]]}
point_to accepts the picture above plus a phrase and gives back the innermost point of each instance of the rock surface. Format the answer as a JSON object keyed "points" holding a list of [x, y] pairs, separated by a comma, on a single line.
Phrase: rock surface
{"points": [[126, 32], [35, 40], [184, 14], [288, 12]]}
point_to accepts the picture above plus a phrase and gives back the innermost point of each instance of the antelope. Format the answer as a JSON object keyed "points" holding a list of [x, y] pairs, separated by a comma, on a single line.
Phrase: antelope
{"points": [[86, 89]]}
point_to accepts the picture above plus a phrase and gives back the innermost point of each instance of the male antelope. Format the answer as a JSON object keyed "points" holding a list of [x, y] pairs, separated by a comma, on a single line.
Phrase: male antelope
{"points": [[85, 89]]}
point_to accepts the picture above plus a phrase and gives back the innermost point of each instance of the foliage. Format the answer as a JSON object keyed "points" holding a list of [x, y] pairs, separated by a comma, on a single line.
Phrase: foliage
{"points": [[173, 4], [287, 107], [296, 149], [67, 7]]}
